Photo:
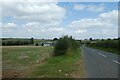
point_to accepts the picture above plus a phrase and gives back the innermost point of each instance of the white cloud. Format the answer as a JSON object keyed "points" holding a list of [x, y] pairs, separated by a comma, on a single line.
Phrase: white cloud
{"points": [[42, 20], [91, 7], [55, 29], [29, 0], [8, 26], [105, 25], [107, 19], [79, 7], [80, 31], [95, 8], [111, 17], [37, 12]]}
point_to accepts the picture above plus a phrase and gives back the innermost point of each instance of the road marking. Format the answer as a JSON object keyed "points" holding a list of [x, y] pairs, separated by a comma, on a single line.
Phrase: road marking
{"points": [[102, 54], [116, 61]]}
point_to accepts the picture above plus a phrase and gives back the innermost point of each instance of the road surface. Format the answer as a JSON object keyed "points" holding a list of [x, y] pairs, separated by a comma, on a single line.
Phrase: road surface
{"points": [[100, 64]]}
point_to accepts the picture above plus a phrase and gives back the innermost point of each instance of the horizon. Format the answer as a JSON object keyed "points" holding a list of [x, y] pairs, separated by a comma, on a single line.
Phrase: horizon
{"points": [[55, 37]]}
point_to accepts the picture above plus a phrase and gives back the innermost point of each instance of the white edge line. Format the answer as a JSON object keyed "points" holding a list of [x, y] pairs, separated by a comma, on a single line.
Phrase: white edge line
{"points": [[116, 61], [102, 54]]}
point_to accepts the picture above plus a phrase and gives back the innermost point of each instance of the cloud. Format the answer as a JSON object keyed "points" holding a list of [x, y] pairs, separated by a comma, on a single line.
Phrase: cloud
{"points": [[55, 29], [37, 12], [105, 25], [80, 31], [95, 8], [79, 7], [42, 20], [39, 27], [8, 26], [91, 7], [30, 1]]}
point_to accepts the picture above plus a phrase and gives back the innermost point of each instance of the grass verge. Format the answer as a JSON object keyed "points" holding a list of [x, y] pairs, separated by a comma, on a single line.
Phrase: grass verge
{"points": [[115, 51], [64, 66]]}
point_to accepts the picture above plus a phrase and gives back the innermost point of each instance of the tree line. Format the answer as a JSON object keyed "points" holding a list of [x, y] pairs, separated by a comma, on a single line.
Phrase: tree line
{"points": [[11, 42], [111, 44]]}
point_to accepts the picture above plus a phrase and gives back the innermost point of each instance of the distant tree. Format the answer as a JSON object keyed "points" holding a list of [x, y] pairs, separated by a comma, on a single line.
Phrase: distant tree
{"points": [[80, 41], [102, 39], [90, 39], [42, 44], [55, 39], [32, 41], [36, 44], [108, 39]]}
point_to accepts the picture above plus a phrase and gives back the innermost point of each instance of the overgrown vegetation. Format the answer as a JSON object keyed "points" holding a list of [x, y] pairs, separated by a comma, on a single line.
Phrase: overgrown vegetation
{"points": [[38, 62], [107, 45], [20, 61], [64, 44], [64, 66]]}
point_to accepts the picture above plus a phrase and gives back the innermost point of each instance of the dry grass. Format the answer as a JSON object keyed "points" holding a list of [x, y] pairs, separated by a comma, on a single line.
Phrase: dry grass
{"points": [[19, 61], [79, 72], [35, 62]]}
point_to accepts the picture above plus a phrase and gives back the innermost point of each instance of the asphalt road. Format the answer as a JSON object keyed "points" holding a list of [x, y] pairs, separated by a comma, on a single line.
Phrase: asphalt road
{"points": [[100, 64]]}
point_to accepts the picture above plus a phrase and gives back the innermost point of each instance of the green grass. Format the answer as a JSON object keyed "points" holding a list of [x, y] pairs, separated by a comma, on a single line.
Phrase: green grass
{"points": [[66, 63]]}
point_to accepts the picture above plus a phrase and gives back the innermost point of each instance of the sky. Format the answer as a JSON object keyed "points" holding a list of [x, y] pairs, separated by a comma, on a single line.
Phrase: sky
{"points": [[48, 20]]}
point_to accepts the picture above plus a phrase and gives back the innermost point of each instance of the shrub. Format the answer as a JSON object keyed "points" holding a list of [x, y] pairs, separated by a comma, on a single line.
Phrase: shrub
{"points": [[65, 43], [36, 44], [61, 46]]}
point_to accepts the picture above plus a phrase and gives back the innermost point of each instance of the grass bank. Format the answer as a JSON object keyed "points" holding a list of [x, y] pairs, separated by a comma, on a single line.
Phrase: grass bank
{"points": [[115, 51], [64, 66]]}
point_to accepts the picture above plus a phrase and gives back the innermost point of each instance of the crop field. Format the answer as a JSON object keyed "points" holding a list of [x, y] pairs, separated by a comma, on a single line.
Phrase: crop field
{"points": [[37, 62]]}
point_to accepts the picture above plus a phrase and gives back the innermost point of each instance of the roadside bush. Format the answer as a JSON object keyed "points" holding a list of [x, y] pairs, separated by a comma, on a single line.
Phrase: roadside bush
{"points": [[65, 43]]}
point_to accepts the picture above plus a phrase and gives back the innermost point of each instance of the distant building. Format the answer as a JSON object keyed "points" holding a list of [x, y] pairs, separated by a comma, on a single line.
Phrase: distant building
{"points": [[47, 44]]}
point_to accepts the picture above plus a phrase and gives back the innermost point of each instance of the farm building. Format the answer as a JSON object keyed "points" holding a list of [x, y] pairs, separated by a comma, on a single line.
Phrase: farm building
{"points": [[47, 44], [44, 44]]}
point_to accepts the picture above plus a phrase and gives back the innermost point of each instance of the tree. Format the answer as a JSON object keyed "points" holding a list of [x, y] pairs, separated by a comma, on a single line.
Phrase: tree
{"points": [[36, 44], [55, 39], [42, 44], [108, 39], [90, 39], [64, 44], [32, 41]]}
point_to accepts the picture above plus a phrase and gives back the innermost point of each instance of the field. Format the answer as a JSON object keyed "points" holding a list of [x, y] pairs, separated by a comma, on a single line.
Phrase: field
{"points": [[37, 62], [20, 60]]}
